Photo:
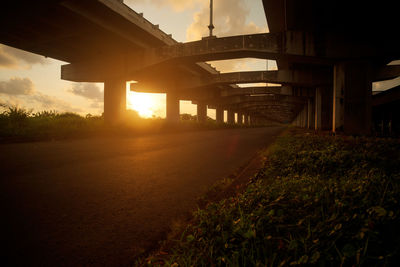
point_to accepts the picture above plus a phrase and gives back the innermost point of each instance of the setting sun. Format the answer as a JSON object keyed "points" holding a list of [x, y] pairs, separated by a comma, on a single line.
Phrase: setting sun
{"points": [[143, 103]]}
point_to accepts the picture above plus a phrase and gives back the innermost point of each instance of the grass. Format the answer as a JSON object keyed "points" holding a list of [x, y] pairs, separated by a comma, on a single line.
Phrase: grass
{"points": [[321, 201], [18, 124]]}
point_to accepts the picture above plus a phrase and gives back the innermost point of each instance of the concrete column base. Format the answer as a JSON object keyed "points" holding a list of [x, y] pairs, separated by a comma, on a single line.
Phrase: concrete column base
{"points": [[326, 108], [352, 99], [302, 118], [240, 118], [231, 117], [310, 111], [219, 114], [246, 119], [201, 112], [318, 109], [173, 113], [114, 101]]}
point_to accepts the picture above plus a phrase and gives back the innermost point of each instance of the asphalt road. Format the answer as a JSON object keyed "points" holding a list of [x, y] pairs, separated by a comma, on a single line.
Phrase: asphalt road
{"points": [[97, 201]]}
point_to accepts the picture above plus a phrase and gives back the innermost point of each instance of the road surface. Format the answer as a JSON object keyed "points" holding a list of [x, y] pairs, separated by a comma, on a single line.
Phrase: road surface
{"points": [[96, 202]]}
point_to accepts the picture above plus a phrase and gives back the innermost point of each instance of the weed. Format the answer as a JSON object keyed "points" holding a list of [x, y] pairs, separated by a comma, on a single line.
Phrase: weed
{"points": [[321, 201]]}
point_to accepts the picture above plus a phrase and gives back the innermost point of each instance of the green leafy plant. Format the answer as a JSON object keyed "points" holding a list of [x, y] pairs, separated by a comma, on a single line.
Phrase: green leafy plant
{"points": [[320, 201]]}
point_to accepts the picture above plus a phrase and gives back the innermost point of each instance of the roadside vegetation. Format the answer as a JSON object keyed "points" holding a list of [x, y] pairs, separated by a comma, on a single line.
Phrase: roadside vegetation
{"points": [[319, 200], [19, 125]]}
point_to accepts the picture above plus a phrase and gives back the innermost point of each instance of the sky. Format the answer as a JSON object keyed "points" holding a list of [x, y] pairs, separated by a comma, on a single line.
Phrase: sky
{"points": [[33, 81]]}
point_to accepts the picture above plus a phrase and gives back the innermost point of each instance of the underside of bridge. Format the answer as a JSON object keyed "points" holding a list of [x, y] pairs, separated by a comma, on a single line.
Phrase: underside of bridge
{"points": [[328, 54]]}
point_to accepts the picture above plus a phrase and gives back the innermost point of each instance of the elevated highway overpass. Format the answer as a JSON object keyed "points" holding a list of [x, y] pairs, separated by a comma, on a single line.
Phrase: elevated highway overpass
{"points": [[369, 30], [99, 38], [328, 53]]}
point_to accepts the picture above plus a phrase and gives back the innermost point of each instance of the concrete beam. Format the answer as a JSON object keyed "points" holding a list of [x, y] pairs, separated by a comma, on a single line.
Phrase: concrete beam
{"points": [[250, 91], [304, 47], [289, 77], [263, 46], [386, 73], [270, 106], [387, 97], [298, 46], [95, 70], [280, 99]]}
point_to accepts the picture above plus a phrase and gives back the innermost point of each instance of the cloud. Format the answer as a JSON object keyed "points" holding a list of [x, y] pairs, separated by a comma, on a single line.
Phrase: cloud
{"points": [[14, 58], [21, 92], [230, 18], [91, 92], [97, 105], [50, 102], [17, 86], [88, 90]]}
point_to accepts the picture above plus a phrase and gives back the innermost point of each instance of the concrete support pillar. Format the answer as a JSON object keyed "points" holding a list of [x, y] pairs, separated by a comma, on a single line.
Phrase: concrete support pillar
{"points": [[172, 107], [287, 90], [231, 117], [240, 118], [304, 116], [310, 113], [114, 101], [352, 101], [201, 112], [219, 113], [246, 119], [318, 108], [253, 120], [299, 119], [326, 108], [338, 98], [295, 122]]}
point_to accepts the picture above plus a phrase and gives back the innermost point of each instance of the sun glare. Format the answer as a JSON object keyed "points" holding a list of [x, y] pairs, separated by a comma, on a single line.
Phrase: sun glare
{"points": [[143, 103]]}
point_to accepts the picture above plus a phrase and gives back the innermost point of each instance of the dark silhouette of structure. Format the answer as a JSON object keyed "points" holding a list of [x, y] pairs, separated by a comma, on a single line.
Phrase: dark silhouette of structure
{"points": [[386, 112], [328, 54]]}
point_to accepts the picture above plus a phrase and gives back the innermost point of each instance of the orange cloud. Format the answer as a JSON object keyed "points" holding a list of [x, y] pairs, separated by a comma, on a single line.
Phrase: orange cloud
{"points": [[230, 18], [15, 58], [17, 86]]}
